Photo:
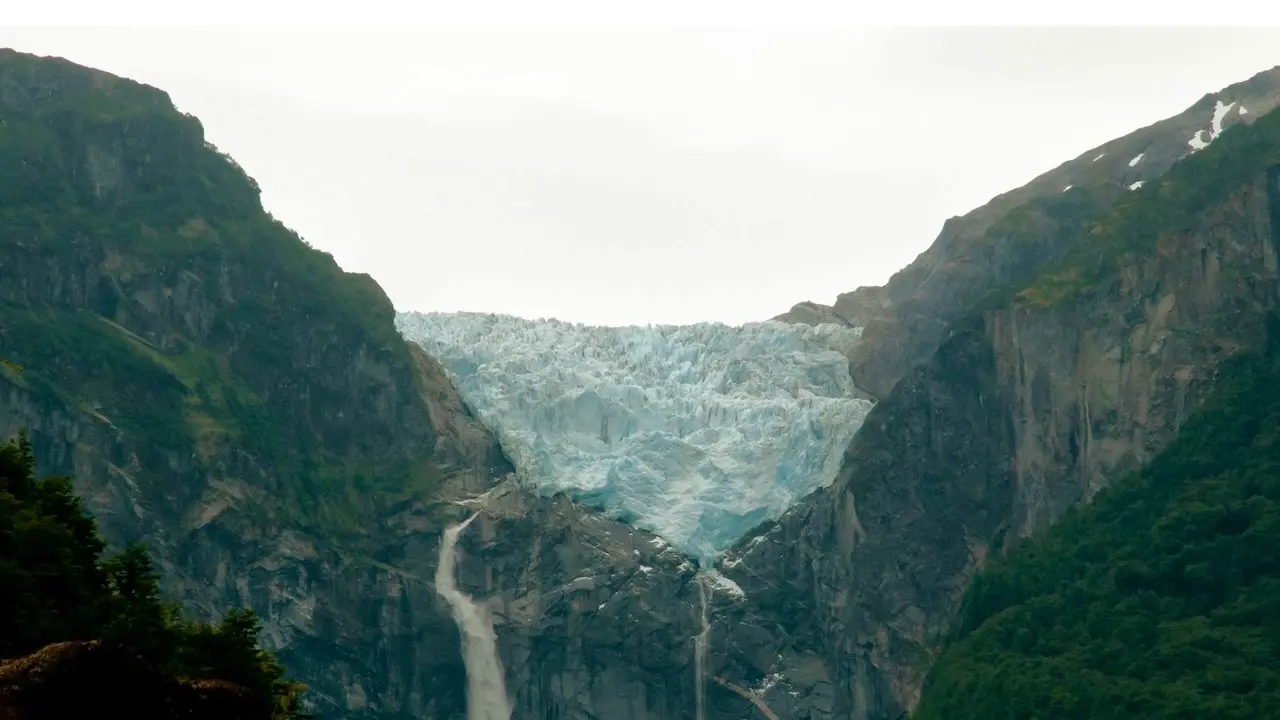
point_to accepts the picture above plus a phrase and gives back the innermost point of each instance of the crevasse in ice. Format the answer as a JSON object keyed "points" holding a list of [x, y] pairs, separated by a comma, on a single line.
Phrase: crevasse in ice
{"points": [[696, 433]]}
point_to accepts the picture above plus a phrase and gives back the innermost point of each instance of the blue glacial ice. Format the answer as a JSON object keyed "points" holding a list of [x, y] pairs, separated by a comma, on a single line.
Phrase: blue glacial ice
{"points": [[696, 433]]}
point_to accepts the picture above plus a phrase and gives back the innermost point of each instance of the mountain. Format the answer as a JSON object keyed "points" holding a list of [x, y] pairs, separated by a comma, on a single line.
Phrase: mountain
{"points": [[229, 396], [214, 386], [1045, 389]]}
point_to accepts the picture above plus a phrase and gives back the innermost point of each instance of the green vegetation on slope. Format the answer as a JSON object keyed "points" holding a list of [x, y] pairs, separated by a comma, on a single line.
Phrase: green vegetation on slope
{"points": [[1162, 209], [141, 282], [57, 585], [1033, 233], [1161, 599]]}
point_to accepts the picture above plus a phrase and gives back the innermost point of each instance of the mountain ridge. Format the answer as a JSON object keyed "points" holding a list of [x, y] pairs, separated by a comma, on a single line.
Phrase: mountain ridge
{"points": [[905, 318]]}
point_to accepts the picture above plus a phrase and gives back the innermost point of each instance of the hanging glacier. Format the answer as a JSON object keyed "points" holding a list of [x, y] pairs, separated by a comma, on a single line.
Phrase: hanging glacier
{"points": [[696, 432]]}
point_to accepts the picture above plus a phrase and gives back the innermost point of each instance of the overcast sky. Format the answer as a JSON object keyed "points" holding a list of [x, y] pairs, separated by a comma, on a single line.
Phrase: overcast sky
{"points": [[631, 175]]}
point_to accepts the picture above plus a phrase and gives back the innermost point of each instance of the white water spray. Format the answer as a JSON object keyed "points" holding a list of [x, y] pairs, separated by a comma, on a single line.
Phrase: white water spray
{"points": [[700, 648], [486, 693]]}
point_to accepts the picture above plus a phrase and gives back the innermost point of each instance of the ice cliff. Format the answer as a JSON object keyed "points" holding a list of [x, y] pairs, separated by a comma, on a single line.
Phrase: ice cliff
{"points": [[696, 433]]}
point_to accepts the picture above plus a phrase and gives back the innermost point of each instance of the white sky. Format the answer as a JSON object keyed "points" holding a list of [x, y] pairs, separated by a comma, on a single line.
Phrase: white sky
{"points": [[650, 174]]}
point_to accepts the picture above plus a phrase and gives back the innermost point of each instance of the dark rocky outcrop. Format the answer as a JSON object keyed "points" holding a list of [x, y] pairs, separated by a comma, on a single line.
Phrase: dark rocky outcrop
{"points": [[86, 679]]}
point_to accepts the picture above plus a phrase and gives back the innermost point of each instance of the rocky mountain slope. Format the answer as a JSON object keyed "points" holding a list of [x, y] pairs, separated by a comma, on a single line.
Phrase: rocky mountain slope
{"points": [[1036, 398], [1008, 240]]}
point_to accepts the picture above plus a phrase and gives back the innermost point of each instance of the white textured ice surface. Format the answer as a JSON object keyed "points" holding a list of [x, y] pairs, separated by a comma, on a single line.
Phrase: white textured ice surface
{"points": [[696, 432]]}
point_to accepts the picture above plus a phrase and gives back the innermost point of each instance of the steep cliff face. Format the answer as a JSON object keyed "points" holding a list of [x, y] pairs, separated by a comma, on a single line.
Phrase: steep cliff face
{"points": [[1010, 239], [1028, 407], [1156, 599]]}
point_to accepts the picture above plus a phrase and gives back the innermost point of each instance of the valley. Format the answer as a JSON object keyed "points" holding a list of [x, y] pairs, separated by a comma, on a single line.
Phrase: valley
{"points": [[1057, 417]]}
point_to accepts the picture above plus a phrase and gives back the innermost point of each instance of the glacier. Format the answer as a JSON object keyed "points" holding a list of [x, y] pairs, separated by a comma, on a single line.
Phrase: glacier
{"points": [[696, 433]]}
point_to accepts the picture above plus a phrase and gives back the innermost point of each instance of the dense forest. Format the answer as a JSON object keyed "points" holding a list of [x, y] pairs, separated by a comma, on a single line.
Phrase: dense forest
{"points": [[58, 584], [1161, 599]]}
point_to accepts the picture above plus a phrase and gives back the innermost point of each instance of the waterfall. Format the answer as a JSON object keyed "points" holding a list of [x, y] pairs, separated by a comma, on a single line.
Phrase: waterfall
{"points": [[700, 650], [486, 693]]}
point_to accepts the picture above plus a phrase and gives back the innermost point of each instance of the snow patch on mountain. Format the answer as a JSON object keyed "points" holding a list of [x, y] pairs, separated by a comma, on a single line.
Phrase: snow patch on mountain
{"points": [[697, 433], [1220, 111]]}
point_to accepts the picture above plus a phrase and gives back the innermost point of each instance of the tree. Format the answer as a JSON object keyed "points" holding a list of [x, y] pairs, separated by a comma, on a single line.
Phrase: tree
{"points": [[51, 587], [230, 652], [56, 584], [139, 619]]}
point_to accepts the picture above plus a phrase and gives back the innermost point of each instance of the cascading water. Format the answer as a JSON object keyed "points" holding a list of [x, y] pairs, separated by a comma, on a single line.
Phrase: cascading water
{"points": [[486, 692], [700, 649]]}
